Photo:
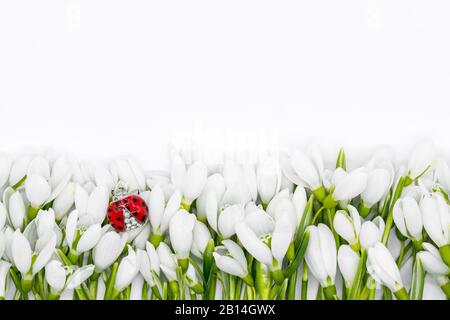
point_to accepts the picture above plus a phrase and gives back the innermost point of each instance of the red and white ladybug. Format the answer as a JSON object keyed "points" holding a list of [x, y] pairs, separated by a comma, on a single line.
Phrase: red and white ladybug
{"points": [[126, 212]]}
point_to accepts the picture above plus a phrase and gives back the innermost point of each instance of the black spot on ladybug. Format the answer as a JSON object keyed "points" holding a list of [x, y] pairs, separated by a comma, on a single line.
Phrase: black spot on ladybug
{"points": [[119, 219], [109, 210], [120, 228], [135, 200]]}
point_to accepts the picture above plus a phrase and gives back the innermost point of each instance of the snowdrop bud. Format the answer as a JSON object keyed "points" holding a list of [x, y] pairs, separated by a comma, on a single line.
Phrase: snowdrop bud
{"points": [[19, 169], [21, 252], [55, 275], [44, 255], [228, 219], [5, 167], [408, 218], [2, 216], [420, 159], [280, 196], [432, 261], [259, 250], [436, 218], [348, 226], [378, 184], [104, 178], [108, 249], [283, 233], [79, 276], [168, 262], [128, 269], [194, 181], [442, 174], [321, 254], [37, 190], [2, 244], [214, 184], [16, 210], [97, 204], [130, 172], [180, 231], [4, 269], [348, 261], [371, 232], [149, 263], [156, 206], [259, 221], [89, 238], [136, 288], [268, 178], [141, 239], [64, 201], [45, 222], [201, 238], [382, 267], [305, 169], [39, 166], [299, 199], [351, 185]]}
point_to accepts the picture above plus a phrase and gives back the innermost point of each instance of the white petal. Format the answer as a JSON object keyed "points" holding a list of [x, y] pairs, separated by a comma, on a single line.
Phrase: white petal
{"points": [[21, 252]]}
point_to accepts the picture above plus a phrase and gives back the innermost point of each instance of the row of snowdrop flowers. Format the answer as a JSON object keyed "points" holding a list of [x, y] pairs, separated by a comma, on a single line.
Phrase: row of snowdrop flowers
{"points": [[287, 227]]}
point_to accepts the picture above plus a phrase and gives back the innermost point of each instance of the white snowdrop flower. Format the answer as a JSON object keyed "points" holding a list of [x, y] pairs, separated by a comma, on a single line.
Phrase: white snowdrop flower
{"points": [[422, 157], [240, 182], [379, 181], [108, 249], [348, 226], [91, 207], [2, 244], [149, 263], [16, 210], [37, 190], [192, 280], [350, 186], [128, 269], [432, 260], [103, 177], [190, 181], [280, 196], [228, 219], [79, 276], [348, 261], [201, 237], [3, 216], [4, 269], [382, 267], [180, 231], [160, 212], [168, 261], [268, 176], [82, 239], [253, 244], [299, 199], [431, 289], [64, 201], [283, 233], [39, 166], [371, 232], [19, 169], [143, 234], [301, 170], [408, 218], [129, 171], [258, 220], [136, 288], [321, 254], [55, 275], [214, 184], [230, 258], [436, 218], [5, 168], [442, 174], [22, 256]]}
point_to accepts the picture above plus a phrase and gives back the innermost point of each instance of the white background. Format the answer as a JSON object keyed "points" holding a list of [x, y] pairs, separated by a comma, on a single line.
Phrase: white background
{"points": [[101, 78]]}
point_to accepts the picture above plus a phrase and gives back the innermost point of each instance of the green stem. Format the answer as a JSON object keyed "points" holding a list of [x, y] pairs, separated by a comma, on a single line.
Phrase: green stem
{"points": [[445, 254], [401, 294], [330, 293], [304, 295]]}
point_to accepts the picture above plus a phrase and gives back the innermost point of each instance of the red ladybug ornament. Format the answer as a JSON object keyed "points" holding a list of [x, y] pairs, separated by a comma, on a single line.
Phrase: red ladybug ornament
{"points": [[127, 213]]}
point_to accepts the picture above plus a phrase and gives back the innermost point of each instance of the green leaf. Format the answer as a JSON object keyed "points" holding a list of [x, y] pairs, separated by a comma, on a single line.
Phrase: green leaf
{"points": [[359, 277], [341, 162], [298, 256], [304, 221], [418, 279], [208, 260]]}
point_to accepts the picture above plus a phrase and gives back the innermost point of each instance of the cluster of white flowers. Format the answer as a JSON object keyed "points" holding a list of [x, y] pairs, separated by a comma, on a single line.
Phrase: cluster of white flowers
{"points": [[287, 227]]}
